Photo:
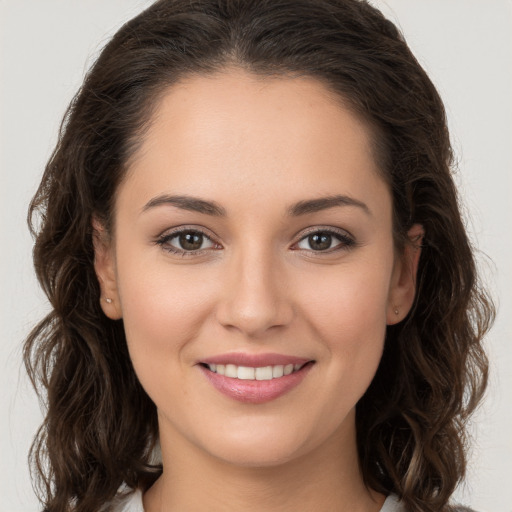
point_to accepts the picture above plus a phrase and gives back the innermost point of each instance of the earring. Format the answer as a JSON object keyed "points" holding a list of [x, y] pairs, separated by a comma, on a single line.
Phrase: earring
{"points": [[108, 300], [397, 311]]}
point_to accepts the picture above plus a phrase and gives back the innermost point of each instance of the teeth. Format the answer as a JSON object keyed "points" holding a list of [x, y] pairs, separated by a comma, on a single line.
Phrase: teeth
{"points": [[264, 373], [277, 371], [249, 373], [231, 371], [245, 373]]}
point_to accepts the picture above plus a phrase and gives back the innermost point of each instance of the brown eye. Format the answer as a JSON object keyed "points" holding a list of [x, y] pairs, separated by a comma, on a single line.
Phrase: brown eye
{"points": [[186, 241], [190, 240], [323, 241], [320, 241]]}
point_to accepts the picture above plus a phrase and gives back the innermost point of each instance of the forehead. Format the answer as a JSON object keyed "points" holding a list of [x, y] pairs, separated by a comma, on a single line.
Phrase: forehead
{"points": [[235, 130]]}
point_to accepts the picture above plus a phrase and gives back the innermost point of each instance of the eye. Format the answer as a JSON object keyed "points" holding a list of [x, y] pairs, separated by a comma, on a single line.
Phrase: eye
{"points": [[325, 241], [186, 241]]}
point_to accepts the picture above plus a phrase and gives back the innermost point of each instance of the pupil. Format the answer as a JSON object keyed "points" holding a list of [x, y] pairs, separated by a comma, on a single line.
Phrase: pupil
{"points": [[191, 241], [320, 241]]}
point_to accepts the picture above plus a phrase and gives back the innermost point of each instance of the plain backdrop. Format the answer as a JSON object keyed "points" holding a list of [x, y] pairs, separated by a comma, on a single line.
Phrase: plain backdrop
{"points": [[466, 47]]}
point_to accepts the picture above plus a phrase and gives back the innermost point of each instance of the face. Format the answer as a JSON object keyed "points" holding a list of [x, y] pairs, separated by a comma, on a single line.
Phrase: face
{"points": [[253, 238]]}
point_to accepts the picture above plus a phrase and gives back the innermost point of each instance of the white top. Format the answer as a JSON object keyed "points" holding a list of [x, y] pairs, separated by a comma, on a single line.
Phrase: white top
{"points": [[133, 503]]}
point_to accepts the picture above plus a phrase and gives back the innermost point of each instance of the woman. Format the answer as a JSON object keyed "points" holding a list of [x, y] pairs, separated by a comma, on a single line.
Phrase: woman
{"points": [[251, 241]]}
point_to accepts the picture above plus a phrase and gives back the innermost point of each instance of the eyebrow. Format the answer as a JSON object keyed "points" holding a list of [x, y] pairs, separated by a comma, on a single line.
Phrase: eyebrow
{"points": [[324, 203], [193, 204], [305, 207]]}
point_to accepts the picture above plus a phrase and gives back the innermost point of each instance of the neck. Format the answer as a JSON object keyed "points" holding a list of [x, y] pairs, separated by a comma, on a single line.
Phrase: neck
{"points": [[326, 479]]}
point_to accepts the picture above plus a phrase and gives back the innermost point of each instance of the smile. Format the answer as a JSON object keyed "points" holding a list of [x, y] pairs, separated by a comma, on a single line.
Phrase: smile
{"points": [[255, 379], [250, 373]]}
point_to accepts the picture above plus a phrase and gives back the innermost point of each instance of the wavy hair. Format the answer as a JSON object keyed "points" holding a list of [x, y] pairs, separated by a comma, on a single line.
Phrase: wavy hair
{"points": [[100, 426]]}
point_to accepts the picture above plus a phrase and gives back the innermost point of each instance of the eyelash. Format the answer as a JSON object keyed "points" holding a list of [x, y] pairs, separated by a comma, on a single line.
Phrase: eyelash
{"points": [[346, 241], [163, 241]]}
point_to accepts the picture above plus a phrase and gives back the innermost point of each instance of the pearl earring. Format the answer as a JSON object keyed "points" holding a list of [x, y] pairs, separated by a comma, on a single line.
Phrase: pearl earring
{"points": [[108, 300], [397, 311]]}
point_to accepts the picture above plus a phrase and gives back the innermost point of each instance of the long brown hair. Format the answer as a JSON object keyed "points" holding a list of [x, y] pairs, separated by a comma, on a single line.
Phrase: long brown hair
{"points": [[101, 427]]}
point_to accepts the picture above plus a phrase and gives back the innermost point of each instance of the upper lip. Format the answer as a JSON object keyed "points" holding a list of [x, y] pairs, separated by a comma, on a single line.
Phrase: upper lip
{"points": [[254, 360]]}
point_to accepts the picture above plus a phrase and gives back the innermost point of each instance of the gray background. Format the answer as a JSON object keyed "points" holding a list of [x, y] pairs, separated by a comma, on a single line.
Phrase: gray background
{"points": [[465, 45]]}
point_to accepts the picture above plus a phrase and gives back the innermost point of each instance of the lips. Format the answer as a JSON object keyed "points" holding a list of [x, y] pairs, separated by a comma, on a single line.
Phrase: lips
{"points": [[254, 373], [254, 360], [255, 378]]}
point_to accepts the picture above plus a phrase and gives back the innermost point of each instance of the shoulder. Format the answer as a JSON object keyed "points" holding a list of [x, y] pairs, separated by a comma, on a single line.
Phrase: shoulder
{"points": [[132, 502], [126, 501], [393, 504]]}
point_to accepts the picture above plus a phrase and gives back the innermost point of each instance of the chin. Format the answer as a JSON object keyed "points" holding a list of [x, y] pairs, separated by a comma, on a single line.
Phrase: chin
{"points": [[262, 445], [256, 455]]}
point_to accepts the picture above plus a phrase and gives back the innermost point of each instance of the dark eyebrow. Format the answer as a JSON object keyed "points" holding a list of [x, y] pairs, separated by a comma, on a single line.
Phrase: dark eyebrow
{"points": [[323, 203], [190, 203], [196, 204]]}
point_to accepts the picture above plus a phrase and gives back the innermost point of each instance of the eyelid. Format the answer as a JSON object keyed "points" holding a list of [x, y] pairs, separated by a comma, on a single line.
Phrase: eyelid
{"points": [[171, 233], [347, 239]]}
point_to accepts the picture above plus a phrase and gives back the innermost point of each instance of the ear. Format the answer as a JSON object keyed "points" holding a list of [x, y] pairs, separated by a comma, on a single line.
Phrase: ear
{"points": [[403, 280], [104, 265]]}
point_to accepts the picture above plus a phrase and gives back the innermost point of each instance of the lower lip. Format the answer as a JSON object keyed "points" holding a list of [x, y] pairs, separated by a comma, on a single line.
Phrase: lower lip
{"points": [[255, 391]]}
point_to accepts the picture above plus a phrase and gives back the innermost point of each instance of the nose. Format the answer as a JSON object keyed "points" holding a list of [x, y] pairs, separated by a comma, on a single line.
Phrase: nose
{"points": [[254, 298]]}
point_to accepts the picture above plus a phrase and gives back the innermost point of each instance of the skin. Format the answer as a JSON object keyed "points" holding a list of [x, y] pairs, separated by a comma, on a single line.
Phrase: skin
{"points": [[255, 147]]}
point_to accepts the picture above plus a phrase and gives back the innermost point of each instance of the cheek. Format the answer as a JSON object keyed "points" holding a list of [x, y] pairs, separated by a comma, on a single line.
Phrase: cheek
{"points": [[347, 300], [346, 310], [163, 308]]}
